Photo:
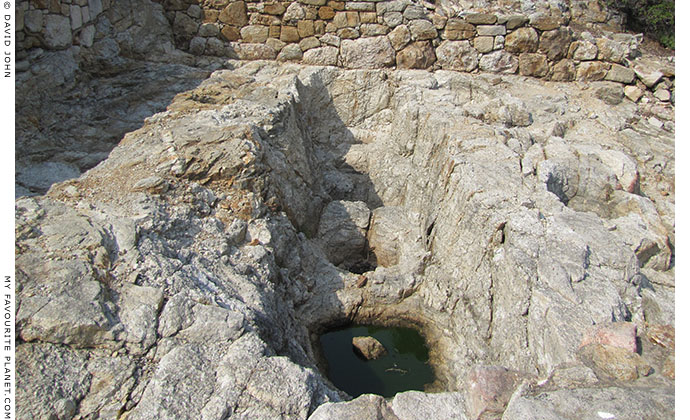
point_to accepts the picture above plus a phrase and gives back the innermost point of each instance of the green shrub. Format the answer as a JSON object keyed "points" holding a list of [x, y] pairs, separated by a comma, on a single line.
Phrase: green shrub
{"points": [[655, 18]]}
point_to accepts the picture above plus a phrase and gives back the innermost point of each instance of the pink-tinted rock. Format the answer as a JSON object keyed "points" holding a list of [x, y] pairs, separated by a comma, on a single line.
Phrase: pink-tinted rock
{"points": [[615, 334], [488, 390]]}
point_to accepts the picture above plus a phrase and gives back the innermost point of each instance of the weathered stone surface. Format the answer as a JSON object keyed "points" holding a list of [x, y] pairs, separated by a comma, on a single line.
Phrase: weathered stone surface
{"points": [[544, 22], [662, 95], [555, 43], [611, 50], [481, 18], [522, 40], [421, 29], [234, 14], [323, 56], [368, 347], [393, 19], [499, 62], [488, 390], [254, 33], [648, 71], [457, 55], [625, 403], [33, 20], [412, 405], [457, 29], [491, 30], [364, 407], [399, 37], [615, 363], [418, 55], [373, 29], [57, 31], [611, 93], [294, 12], [484, 44], [374, 52], [342, 229], [621, 74], [592, 71], [289, 34], [563, 71], [415, 11], [583, 51], [615, 334], [533, 65], [515, 21], [309, 43], [633, 93]]}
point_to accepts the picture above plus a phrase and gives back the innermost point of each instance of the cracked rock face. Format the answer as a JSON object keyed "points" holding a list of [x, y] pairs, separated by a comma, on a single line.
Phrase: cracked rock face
{"points": [[187, 275]]}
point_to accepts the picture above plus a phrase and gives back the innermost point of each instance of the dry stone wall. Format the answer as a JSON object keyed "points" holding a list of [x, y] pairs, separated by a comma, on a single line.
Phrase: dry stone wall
{"points": [[408, 34]]}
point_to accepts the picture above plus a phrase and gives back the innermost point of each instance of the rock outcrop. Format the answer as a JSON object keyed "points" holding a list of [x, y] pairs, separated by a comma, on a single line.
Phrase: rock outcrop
{"points": [[525, 226]]}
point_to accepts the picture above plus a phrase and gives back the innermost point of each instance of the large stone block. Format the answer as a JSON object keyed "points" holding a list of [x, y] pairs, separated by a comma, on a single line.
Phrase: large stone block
{"points": [[457, 55], [367, 53], [499, 62], [555, 43], [418, 55], [532, 64], [457, 29], [234, 14], [522, 40]]}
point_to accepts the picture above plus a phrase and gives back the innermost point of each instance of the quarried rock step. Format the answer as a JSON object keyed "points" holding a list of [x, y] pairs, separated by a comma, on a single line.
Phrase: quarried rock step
{"points": [[368, 347]]}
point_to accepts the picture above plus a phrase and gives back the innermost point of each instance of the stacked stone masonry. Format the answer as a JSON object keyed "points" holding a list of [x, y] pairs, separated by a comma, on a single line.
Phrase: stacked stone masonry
{"points": [[408, 34]]}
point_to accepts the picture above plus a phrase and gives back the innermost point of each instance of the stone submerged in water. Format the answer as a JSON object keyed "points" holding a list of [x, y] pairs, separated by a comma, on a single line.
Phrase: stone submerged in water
{"points": [[368, 347]]}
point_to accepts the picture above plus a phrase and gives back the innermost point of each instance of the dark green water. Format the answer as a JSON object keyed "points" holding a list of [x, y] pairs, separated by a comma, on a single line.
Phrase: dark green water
{"points": [[404, 368]]}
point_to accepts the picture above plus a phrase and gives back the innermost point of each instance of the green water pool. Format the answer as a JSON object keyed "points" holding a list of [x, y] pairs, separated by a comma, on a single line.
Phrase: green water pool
{"points": [[404, 368]]}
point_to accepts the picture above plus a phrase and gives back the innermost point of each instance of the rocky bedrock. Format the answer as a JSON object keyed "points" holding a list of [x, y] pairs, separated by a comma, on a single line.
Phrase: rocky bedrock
{"points": [[525, 227]]}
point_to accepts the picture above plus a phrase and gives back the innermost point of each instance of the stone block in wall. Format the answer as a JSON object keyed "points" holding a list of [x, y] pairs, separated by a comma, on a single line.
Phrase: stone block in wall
{"points": [[194, 11], [289, 34], [611, 51], [323, 56], [555, 43], [311, 12], [499, 62], [360, 6], [336, 5], [96, 8], [266, 20], [373, 29], [583, 51], [533, 64], [230, 33], [308, 43], [415, 11], [19, 20], [57, 32], [75, 16], [348, 33], [234, 14], [391, 6], [33, 21], [591, 71], [438, 21], [484, 44], [197, 45], [515, 21], [522, 40], [210, 16], [418, 55], [326, 12], [274, 31], [305, 28], [291, 52], [481, 18], [274, 8], [87, 36], [209, 29], [544, 22], [421, 30], [346, 19], [457, 55], [457, 29], [184, 27], [368, 17], [252, 51], [294, 12], [330, 39], [499, 42], [254, 33], [314, 2], [563, 71], [367, 53], [399, 37], [491, 30], [621, 74], [216, 47], [319, 27], [393, 19], [276, 44]]}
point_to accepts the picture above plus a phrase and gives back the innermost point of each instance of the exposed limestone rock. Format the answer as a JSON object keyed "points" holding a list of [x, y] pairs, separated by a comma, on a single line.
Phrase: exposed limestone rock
{"points": [[457, 55], [365, 407], [522, 40], [418, 55], [499, 62]]}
